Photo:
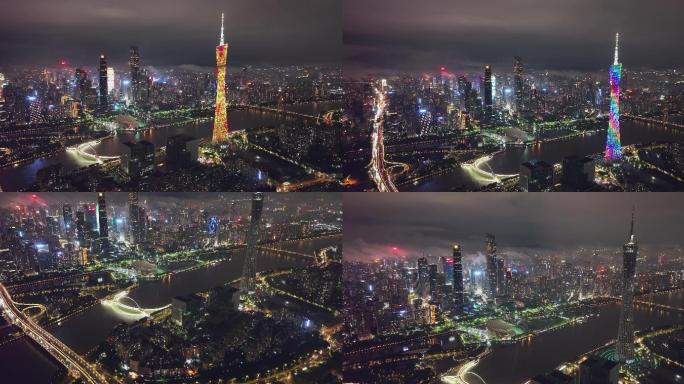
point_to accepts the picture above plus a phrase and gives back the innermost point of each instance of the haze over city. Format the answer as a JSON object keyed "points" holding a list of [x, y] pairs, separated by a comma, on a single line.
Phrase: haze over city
{"points": [[411, 36], [466, 288], [175, 32], [429, 223]]}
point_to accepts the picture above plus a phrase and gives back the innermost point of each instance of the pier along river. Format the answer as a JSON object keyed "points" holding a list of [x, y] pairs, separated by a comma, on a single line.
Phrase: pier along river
{"points": [[16, 178], [23, 362]]}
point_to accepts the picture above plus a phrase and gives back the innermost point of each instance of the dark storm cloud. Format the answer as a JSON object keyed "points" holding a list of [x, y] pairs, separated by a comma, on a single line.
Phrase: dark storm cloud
{"points": [[170, 32], [432, 222], [408, 35]]}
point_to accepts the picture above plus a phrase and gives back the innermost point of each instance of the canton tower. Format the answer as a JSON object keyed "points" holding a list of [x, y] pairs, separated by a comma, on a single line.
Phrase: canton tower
{"points": [[613, 149], [625, 339], [220, 133]]}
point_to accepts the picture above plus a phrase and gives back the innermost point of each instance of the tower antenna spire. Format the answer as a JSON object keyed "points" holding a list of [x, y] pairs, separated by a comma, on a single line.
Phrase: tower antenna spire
{"points": [[617, 44], [631, 227], [221, 43]]}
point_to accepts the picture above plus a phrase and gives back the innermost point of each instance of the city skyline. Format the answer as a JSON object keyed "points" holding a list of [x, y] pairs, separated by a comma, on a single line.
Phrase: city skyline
{"points": [[283, 120], [458, 128], [155, 199], [265, 33], [605, 313], [193, 192], [523, 224], [466, 35], [202, 272]]}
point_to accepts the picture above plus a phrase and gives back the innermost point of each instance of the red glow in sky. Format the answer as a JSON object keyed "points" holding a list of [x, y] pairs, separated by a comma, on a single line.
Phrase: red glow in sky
{"points": [[396, 251]]}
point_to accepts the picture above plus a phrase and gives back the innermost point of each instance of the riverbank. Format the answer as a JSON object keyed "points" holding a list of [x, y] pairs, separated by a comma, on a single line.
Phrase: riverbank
{"points": [[22, 360], [16, 178], [517, 362], [552, 151]]}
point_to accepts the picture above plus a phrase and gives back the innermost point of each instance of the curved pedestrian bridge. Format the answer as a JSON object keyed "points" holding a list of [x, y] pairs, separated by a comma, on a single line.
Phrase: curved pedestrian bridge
{"points": [[126, 305]]}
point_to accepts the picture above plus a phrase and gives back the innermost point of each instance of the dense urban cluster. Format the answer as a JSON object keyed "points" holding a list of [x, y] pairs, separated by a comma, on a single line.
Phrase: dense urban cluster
{"points": [[513, 129], [406, 316], [275, 312], [143, 128]]}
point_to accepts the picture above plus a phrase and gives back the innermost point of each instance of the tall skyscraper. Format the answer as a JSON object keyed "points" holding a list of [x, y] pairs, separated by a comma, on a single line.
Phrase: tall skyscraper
{"points": [[133, 217], [134, 65], [432, 281], [103, 102], [110, 80], [81, 228], [500, 276], [91, 218], [423, 276], [448, 270], [220, 133], [488, 109], [518, 83], [248, 281], [490, 248], [625, 340], [68, 216], [102, 216], [82, 85], [613, 147], [3, 112], [458, 276]]}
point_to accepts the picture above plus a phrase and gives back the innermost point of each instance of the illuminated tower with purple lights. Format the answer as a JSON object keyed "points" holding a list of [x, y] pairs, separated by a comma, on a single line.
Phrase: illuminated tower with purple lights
{"points": [[613, 148], [220, 133]]}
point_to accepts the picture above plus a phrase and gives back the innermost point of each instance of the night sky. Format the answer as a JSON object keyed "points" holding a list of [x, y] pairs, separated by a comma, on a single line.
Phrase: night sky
{"points": [[170, 32], [538, 222], [408, 35]]}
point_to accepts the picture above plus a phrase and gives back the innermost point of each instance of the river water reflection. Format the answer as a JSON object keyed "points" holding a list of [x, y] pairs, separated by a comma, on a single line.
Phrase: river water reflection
{"points": [[23, 362], [508, 162], [515, 363], [15, 178]]}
